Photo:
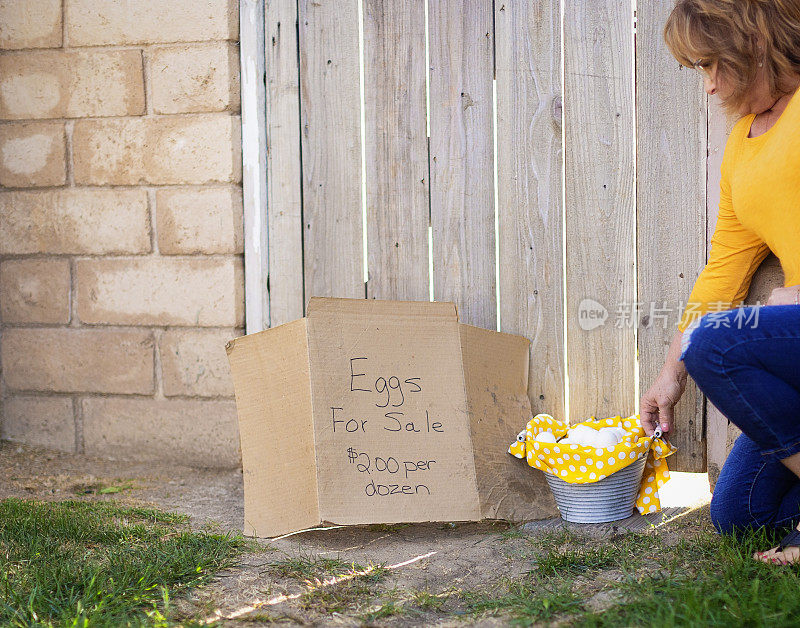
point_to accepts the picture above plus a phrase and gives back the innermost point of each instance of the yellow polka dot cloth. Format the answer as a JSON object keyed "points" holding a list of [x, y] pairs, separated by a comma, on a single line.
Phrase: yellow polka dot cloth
{"points": [[580, 464]]}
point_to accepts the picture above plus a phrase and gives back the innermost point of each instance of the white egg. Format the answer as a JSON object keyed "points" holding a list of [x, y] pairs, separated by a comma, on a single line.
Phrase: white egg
{"points": [[545, 437], [618, 432], [592, 439], [607, 439], [583, 435], [567, 441], [579, 431]]}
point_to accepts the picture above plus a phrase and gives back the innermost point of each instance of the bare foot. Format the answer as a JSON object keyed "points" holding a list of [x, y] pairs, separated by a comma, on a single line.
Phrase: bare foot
{"points": [[788, 556]]}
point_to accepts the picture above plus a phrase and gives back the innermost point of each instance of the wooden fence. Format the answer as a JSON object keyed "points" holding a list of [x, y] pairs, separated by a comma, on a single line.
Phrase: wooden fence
{"points": [[443, 120]]}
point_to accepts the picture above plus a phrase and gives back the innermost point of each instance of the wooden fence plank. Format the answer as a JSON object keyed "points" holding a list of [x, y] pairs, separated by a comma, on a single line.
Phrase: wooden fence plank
{"points": [[396, 148], [600, 217], [670, 213], [528, 60], [461, 162], [254, 168], [330, 118], [284, 211]]}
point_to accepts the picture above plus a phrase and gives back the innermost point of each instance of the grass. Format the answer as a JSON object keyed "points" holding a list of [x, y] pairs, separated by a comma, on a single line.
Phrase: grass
{"points": [[323, 593], [681, 575], [513, 532], [582, 555], [710, 581], [311, 568], [701, 580], [525, 600], [100, 488], [388, 609], [427, 601], [335, 586], [348, 595], [100, 564]]}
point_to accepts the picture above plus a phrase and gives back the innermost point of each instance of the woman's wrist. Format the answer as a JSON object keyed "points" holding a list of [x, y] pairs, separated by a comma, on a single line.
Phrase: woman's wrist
{"points": [[673, 367], [675, 370]]}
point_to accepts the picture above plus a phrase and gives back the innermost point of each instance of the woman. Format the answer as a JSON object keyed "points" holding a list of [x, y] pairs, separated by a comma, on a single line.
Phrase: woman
{"points": [[746, 360]]}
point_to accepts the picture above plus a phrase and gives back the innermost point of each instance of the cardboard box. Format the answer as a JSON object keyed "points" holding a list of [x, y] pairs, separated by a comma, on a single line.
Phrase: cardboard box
{"points": [[372, 411]]}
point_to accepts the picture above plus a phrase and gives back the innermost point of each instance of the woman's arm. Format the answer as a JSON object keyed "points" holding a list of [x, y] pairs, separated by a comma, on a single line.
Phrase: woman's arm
{"points": [[736, 253], [656, 405]]}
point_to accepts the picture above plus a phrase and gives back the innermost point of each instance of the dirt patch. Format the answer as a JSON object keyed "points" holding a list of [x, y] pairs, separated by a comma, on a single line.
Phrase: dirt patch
{"points": [[403, 575], [207, 495]]}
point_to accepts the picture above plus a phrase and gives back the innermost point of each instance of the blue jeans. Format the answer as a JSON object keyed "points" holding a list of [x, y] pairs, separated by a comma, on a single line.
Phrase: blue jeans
{"points": [[751, 373]]}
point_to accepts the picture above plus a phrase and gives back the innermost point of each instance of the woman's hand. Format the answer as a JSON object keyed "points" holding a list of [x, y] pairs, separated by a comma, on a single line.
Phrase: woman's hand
{"points": [[785, 296], [657, 404]]}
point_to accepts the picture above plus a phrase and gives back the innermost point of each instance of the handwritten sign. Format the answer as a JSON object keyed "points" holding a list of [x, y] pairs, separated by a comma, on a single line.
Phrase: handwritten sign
{"points": [[391, 421], [389, 392]]}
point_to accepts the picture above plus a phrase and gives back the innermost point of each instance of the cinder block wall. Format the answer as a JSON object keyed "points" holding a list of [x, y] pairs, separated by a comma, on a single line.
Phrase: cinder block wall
{"points": [[120, 226]]}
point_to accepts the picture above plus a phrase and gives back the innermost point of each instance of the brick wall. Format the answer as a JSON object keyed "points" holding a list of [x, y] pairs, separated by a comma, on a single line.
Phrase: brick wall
{"points": [[121, 226]]}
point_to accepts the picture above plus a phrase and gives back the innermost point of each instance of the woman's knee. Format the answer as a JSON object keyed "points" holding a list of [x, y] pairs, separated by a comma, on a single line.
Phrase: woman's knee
{"points": [[713, 333], [704, 334], [703, 352], [694, 344]]}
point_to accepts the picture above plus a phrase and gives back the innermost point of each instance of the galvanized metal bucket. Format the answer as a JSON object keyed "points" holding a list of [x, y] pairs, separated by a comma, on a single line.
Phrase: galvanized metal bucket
{"points": [[609, 499]]}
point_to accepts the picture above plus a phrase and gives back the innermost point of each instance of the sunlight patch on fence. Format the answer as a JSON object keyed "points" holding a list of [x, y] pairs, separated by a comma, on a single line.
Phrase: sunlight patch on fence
{"points": [[363, 108], [427, 76], [430, 262], [564, 310], [635, 210], [428, 136], [496, 203]]}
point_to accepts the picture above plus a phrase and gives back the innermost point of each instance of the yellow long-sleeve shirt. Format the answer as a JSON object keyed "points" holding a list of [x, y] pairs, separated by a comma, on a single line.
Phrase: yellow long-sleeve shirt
{"points": [[759, 211]]}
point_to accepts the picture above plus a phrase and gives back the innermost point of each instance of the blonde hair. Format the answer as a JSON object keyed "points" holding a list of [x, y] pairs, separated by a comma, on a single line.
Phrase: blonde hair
{"points": [[738, 35]]}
